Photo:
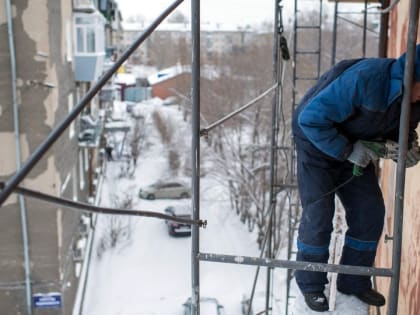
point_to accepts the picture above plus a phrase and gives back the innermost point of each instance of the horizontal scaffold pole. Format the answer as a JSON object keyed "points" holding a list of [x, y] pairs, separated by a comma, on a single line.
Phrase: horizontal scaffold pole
{"points": [[102, 210], [205, 131], [297, 265]]}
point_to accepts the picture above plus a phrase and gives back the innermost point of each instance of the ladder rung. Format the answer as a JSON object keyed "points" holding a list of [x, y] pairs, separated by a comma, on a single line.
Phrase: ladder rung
{"points": [[309, 26], [282, 148], [285, 185], [307, 78], [308, 52]]}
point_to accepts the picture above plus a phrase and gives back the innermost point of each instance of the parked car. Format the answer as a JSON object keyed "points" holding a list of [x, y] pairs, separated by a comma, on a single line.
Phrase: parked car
{"points": [[208, 306], [179, 211], [172, 189]]}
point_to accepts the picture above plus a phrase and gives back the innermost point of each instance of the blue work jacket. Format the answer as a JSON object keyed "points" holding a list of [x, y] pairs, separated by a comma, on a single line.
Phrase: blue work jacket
{"points": [[361, 102]]}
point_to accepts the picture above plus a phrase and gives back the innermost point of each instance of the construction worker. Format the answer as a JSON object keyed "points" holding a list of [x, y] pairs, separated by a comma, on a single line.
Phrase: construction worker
{"points": [[349, 118]]}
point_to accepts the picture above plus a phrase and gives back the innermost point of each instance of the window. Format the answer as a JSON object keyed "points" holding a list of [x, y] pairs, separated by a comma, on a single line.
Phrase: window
{"points": [[74, 182], [80, 39], [90, 39], [86, 156], [69, 41], [78, 93], [81, 173], [70, 107], [89, 34]]}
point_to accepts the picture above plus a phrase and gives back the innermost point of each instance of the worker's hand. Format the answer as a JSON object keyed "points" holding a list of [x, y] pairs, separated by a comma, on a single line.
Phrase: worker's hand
{"points": [[366, 151], [413, 156]]}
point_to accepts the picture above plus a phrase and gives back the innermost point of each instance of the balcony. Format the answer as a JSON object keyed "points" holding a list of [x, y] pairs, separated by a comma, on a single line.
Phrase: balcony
{"points": [[90, 45], [87, 6], [90, 132]]}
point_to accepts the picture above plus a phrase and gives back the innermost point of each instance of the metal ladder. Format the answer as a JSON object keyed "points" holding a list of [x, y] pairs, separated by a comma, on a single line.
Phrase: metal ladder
{"points": [[347, 17], [303, 52]]}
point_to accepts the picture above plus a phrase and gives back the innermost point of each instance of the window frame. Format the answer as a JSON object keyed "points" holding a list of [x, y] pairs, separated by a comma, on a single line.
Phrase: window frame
{"points": [[89, 38]]}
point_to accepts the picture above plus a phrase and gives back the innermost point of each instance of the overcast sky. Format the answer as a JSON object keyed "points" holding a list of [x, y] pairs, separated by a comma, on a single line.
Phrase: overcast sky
{"points": [[239, 12]]}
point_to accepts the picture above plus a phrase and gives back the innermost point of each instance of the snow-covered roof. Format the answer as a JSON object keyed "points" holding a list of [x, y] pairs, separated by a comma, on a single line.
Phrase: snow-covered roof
{"points": [[207, 72], [168, 73], [142, 71], [125, 78]]}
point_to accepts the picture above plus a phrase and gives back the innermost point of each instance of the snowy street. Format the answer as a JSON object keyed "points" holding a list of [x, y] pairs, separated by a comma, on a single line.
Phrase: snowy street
{"points": [[151, 274]]}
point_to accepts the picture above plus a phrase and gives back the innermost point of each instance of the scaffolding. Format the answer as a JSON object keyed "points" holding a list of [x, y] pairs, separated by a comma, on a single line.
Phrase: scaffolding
{"points": [[269, 261]]}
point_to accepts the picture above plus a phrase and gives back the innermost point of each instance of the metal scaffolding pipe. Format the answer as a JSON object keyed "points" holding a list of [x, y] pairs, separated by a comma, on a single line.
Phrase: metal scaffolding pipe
{"points": [[16, 123], [383, 32], [278, 29], [195, 155], [206, 130], [86, 207], [297, 265], [61, 127], [403, 146]]}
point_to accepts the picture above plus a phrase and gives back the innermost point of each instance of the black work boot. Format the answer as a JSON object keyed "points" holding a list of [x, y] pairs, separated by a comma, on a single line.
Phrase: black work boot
{"points": [[316, 301], [371, 297]]}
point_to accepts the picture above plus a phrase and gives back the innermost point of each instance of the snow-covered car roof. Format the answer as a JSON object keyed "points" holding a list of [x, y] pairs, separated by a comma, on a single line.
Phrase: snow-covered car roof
{"points": [[181, 209]]}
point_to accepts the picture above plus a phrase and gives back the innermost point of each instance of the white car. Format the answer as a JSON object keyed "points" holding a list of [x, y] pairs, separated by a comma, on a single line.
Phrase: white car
{"points": [[170, 189]]}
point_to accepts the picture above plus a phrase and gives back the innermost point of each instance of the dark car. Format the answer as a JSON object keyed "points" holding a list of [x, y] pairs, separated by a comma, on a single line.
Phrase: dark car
{"points": [[175, 228], [208, 306]]}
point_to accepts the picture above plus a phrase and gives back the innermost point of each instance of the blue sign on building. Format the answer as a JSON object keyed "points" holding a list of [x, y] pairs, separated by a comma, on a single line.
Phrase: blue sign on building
{"points": [[47, 300]]}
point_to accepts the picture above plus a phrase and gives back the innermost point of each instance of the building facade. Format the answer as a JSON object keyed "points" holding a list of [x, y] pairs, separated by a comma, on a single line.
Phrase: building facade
{"points": [[40, 255]]}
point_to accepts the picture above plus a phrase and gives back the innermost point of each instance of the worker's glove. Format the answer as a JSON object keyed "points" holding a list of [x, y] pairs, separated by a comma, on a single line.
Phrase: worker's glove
{"points": [[391, 150], [413, 154], [366, 151]]}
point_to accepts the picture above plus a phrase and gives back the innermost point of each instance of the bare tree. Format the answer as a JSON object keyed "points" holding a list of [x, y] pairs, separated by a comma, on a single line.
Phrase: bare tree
{"points": [[163, 126], [178, 17], [118, 229], [137, 140]]}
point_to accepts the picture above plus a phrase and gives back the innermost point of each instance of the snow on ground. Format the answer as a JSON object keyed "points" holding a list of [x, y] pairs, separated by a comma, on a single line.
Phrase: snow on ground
{"points": [[151, 274]]}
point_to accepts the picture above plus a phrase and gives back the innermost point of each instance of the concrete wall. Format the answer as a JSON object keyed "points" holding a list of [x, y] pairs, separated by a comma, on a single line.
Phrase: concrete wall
{"points": [[41, 57], [409, 298]]}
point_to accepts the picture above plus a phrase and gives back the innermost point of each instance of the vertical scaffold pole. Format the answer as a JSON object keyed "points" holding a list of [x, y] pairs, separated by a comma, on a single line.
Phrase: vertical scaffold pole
{"points": [[403, 146], [273, 151], [195, 158]]}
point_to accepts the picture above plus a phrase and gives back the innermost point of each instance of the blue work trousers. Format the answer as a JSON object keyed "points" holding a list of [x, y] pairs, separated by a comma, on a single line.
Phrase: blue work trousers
{"points": [[364, 207]]}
